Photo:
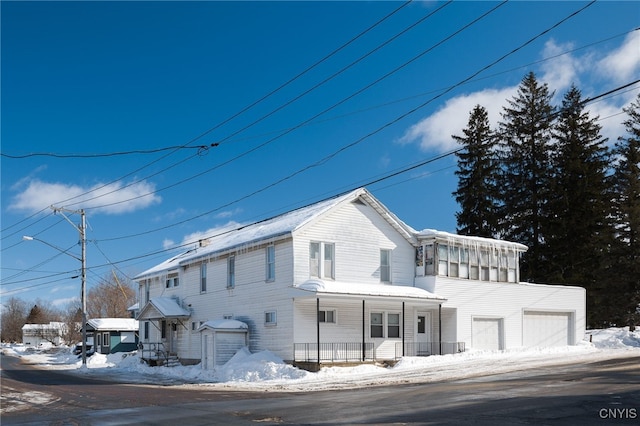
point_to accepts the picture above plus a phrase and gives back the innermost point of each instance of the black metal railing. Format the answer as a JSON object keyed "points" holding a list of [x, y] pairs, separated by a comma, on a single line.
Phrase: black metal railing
{"points": [[334, 352], [428, 348], [154, 351]]}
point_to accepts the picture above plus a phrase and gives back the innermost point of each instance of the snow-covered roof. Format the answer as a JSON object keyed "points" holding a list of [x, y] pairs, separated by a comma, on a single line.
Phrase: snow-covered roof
{"points": [[134, 307], [317, 286], [51, 325], [465, 239], [224, 324], [163, 307], [116, 324], [258, 232]]}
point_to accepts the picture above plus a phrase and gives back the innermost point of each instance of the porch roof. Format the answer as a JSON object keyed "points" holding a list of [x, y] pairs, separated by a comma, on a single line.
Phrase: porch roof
{"points": [[317, 287], [162, 308]]}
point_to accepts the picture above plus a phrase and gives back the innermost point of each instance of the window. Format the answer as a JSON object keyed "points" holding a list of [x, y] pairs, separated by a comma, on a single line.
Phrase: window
{"points": [[385, 266], [321, 268], [271, 263], [163, 329], [193, 326], [393, 325], [314, 259], [146, 330], [105, 339], [454, 261], [428, 259], [203, 277], [377, 327], [146, 291], [270, 318], [443, 260], [231, 272], [327, 316], [172, 281]]}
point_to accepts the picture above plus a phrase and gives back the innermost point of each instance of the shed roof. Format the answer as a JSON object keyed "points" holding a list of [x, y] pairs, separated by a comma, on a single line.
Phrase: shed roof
{"points": [[115, 324], [225, 324]]}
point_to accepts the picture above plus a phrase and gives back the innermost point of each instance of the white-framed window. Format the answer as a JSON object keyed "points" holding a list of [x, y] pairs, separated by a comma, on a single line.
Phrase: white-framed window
{"points": [[147, 289], [172, 281], [193, 326], [231, 272], [385, 325], [146, 331], [203, 277], [270, 318], [443, 260], [105, 339], [322, 260], [327, 316], [271, 263], [377, 325], [385, 266]]}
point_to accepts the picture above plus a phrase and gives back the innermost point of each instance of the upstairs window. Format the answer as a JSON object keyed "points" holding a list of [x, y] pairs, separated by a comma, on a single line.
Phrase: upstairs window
{"points": [[172, 281], [203, 277], [321, 260], [385, 266], [270, 318], [271, 263], [231, 272]]}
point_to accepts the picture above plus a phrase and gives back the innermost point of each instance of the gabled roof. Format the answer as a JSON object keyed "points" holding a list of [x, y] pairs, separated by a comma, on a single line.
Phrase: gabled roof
{"points": [[275, 227], [161, 308], [115, 324]]}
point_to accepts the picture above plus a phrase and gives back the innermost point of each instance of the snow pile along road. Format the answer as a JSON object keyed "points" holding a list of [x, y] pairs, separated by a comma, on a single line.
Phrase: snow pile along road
{"points": [[264, 371]]}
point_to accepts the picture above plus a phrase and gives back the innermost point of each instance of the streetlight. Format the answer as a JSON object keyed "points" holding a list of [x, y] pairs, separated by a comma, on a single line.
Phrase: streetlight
{"points": [[83, 260]]}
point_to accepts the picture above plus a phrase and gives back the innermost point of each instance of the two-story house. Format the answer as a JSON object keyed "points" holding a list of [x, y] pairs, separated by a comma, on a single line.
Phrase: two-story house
{"points": [[345, 280]]}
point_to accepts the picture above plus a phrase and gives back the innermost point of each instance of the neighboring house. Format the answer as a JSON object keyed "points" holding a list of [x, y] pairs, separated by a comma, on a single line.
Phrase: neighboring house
{"points": [[345, 280], [43, 334], [112, 335]]}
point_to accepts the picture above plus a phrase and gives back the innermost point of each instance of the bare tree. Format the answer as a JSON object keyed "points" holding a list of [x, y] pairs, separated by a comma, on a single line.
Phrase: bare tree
{"points": [[72, 318], [14, 315], [111, 297]]}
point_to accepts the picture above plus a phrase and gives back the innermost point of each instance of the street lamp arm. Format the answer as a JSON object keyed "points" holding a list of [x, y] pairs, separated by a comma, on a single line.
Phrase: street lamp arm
{"points": [[30, 238]]}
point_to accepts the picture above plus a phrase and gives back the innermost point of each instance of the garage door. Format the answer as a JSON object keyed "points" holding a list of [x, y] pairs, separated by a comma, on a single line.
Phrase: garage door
{"points": [[547, 329], [487, 334]]}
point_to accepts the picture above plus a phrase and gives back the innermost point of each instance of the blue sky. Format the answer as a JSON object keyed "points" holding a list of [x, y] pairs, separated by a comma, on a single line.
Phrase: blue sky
{"points": [[303, 99]]}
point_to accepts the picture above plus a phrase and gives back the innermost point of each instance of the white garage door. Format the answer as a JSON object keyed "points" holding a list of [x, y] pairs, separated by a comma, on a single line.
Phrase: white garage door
{"points": [[487, 334], [547, 329]]}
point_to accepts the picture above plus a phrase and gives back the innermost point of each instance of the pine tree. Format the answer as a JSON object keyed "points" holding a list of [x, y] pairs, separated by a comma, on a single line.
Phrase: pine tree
{"points": [[525, 132], [626, 205], [476, 192], [36, 316], [577, 209]]}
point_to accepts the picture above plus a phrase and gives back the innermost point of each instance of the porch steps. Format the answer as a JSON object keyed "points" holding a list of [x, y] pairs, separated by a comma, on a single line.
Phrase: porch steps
{"points": [[173, 361]]}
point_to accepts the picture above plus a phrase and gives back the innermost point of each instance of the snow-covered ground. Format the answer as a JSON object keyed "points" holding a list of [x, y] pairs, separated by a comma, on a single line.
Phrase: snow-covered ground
{"points": [[264, 371]]}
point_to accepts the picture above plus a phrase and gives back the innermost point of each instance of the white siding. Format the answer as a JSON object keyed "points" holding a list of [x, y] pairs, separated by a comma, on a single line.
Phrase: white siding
{"points": [[509, 301]]}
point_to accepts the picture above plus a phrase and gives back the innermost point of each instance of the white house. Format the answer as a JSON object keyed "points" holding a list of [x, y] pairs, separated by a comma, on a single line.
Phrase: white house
{"points": [[44, 334], [345, 280]]}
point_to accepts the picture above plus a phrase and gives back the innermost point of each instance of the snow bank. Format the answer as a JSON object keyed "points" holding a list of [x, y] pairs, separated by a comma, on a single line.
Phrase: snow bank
{"points": [[266, 372]]}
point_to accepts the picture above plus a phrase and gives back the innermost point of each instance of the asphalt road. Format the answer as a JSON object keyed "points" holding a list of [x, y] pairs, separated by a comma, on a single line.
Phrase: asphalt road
{"points": [[606, 392]]}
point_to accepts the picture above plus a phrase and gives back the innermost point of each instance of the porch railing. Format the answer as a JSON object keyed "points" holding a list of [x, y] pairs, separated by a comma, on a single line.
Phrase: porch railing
{"points": [[428, 348], [334, 352], [154, 351]]}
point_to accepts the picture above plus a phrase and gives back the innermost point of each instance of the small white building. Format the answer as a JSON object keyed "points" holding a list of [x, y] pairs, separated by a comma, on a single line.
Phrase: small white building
{"points": [[43, 334], [345, 280]]}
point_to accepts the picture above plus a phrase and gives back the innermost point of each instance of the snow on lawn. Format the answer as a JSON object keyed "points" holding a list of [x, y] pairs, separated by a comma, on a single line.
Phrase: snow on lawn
{"points": [[264, 371]]}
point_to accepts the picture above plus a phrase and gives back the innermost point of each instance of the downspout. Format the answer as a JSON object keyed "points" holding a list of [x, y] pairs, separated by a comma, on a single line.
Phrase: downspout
{"points": [[318, 327], [403, 328], [364, 353], [440, 327]]}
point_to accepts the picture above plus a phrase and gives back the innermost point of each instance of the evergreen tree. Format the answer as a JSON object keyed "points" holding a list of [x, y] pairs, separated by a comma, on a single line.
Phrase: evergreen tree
{"points": [[476, 192], [525, 132], [626, 204], [36, 316], [577, 208]]}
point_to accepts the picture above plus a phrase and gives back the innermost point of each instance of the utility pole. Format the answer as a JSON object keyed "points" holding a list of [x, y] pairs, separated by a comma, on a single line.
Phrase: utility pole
{"points": [[83, 259]]}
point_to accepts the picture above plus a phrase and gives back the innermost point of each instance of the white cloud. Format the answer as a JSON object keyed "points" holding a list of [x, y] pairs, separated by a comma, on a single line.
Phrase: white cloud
{"points": [[561, 72], [211, 232], [168, 243], [434, 132], [114, 198], [62, 303], [622, 64]]}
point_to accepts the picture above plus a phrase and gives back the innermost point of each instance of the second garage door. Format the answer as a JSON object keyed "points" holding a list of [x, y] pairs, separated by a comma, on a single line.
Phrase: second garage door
{"points": [[547, 329]]}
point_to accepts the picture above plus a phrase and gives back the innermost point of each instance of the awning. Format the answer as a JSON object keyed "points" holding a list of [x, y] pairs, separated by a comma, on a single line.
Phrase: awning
{"points": [[225, 324], [163, 308], [337, 289]]}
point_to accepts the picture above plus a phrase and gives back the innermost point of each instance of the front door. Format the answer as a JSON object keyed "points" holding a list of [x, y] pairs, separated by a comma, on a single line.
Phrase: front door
{"points": [[423, 334]]}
